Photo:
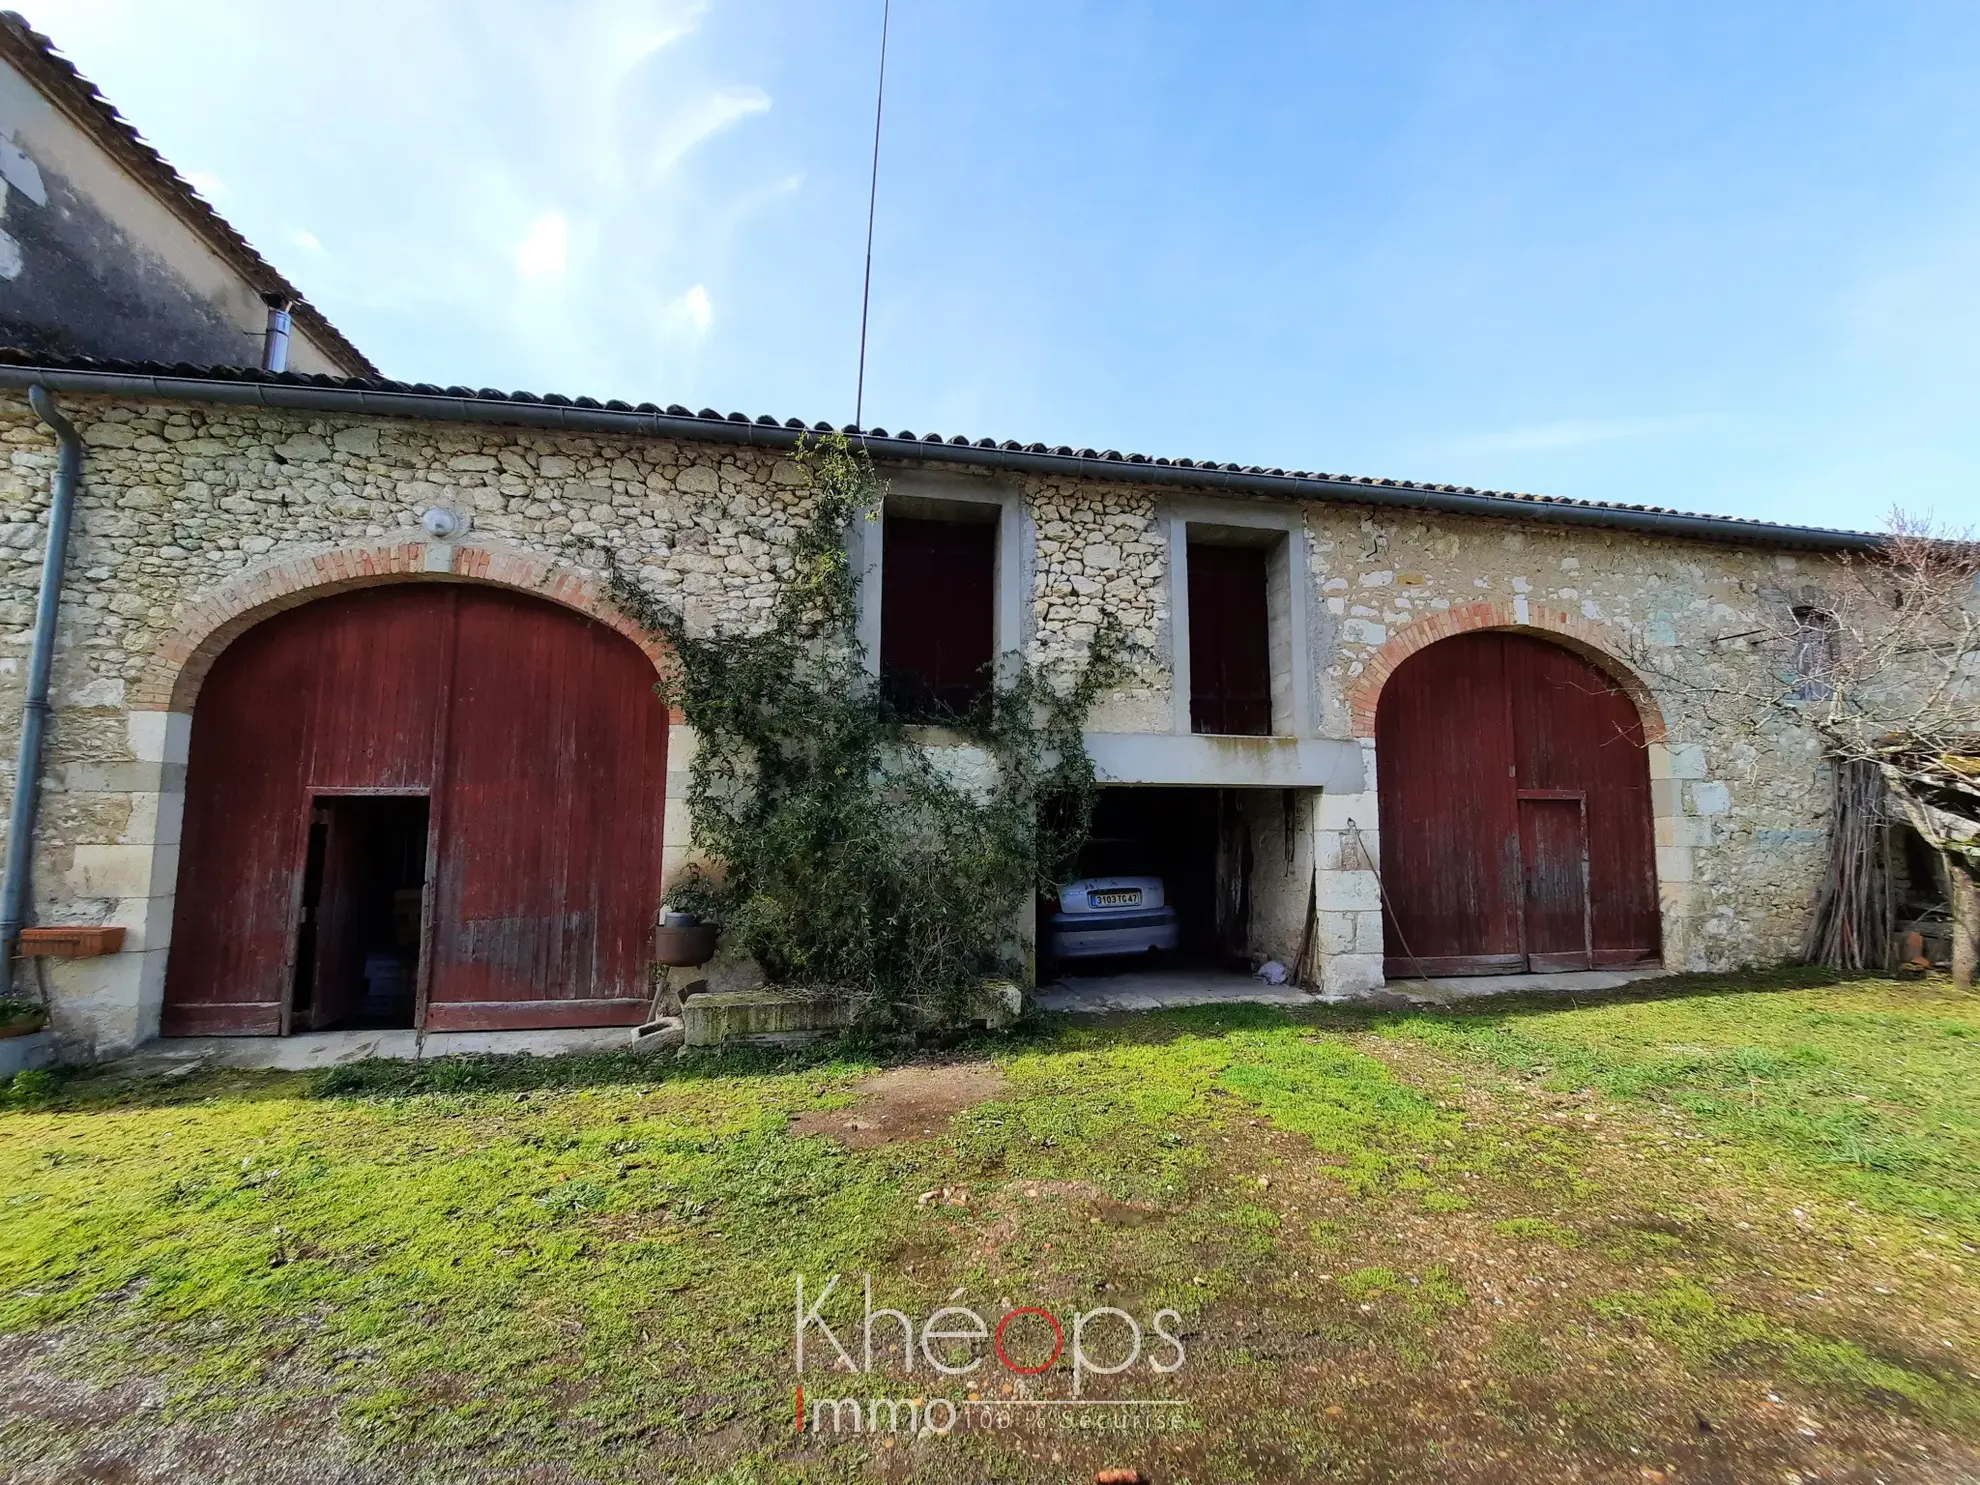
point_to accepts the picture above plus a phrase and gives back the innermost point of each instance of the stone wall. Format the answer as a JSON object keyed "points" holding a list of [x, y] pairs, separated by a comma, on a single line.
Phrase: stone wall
{"points": [[1739, 799], [195, 520], [1102, 549]]}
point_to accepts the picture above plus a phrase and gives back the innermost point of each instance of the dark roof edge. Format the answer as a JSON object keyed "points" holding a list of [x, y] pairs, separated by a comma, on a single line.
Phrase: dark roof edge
{"points": [[295, 394], [63, 85]]}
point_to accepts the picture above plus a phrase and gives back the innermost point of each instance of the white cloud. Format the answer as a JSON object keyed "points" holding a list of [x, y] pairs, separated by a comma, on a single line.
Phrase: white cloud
{"points": [[694, 309], [702, 119], [1572, 433], [304, 238], [206, 183], [541, 255]]}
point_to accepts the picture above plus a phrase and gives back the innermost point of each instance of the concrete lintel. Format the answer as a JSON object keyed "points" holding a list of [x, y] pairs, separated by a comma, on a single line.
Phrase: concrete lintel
{"points": [[1225, 762]]}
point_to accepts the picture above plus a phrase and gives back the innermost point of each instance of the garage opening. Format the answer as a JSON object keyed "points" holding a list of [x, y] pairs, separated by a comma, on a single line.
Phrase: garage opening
{"points": [[938, 581], [358, 935], [1184, 883]]}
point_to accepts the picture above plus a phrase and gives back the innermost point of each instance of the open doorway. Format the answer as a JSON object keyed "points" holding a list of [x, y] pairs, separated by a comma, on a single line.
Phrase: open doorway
{"points": [[363, 903]]}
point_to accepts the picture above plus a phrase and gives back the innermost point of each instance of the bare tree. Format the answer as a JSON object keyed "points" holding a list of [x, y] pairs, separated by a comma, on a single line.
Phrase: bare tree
{"points": [[1881, 658]]}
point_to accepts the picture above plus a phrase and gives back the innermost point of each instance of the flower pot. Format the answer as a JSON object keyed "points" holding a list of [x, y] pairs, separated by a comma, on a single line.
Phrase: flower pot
{"points": [[24, 1025], [685, 946], [70, 943]]}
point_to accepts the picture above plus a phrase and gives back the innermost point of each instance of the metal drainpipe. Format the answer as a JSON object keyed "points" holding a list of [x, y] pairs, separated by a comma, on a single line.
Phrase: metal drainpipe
{"points": [[41, 659]]}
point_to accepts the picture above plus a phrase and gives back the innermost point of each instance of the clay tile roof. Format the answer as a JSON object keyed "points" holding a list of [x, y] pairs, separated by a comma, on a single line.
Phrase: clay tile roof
{"points": [[35, 57], [379, 396]]}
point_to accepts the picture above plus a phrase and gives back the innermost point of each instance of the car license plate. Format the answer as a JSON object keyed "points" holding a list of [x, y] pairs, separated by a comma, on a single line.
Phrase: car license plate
{"points": [[1127, 897]]}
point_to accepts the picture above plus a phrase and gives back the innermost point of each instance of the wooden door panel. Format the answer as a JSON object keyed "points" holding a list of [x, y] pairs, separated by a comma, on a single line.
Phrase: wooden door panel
{"points": [[1574, 728], [337, 693], [550, 871], [1554, 858], [1450, 835]]}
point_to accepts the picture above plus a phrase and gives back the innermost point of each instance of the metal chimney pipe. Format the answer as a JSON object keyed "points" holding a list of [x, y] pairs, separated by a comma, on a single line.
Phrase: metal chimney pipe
{"points": [[275, 341]]}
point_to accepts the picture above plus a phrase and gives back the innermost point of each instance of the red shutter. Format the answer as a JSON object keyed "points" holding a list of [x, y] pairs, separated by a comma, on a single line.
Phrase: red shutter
{"points": [[937, 614], [1230, 656]]}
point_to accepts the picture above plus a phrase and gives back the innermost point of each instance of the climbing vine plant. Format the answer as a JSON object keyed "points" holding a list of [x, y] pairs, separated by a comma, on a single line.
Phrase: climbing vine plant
{"points": [[848, 860]]}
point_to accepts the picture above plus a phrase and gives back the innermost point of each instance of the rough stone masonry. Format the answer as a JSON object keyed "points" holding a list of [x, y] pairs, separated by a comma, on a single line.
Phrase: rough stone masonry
{"points": [[196, 519]]}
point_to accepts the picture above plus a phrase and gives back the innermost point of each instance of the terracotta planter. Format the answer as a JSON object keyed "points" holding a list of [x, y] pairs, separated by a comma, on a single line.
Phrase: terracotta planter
{"points": [[26, 1026], [70, 943], [687, 947]]}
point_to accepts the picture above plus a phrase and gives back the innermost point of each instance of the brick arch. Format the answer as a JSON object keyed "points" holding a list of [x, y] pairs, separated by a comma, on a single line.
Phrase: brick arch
{"points": [[207, 625], [1570, 631]]}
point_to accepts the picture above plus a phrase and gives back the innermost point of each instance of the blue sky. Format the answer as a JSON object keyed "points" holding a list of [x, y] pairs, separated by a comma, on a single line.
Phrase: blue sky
{"points": [[1716, 256]]}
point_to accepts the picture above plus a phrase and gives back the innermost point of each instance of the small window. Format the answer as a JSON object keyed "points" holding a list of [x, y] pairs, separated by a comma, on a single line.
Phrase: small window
{"points": [[937, 614], [1230, 658], [1813, 654]]}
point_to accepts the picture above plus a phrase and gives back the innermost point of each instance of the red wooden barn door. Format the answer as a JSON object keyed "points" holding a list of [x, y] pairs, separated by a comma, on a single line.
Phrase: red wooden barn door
{"points": [[536, 734], [337, 695], [550, 820], [1515, 804]]}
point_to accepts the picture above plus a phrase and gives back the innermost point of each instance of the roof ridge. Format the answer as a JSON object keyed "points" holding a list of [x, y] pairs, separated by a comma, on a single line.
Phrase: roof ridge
{"points": [[64, 85]]}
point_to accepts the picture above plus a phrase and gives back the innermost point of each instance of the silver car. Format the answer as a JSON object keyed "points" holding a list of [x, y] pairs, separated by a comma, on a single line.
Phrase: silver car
{"points": [[1102, 916]]}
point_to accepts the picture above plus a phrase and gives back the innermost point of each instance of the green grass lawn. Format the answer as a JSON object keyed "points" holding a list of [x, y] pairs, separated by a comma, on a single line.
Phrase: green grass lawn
{"points": [[1723, 1231]]}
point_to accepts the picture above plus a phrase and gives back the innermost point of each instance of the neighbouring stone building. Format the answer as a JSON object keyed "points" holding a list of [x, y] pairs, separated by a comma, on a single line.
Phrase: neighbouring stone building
{"points": [[1315, 655], [106, 250]]}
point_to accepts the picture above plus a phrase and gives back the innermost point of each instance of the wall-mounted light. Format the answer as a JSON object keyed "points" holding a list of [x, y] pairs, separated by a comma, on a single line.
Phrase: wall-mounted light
{"points": [[440, 522]]}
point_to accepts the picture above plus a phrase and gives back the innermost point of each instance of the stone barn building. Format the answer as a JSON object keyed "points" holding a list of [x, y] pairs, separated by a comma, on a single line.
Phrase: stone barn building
{"points": [[344, 724]]}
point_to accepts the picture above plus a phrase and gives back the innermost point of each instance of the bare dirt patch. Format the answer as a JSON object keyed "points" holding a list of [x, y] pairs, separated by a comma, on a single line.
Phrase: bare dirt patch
{"points": [[905, 1103]]}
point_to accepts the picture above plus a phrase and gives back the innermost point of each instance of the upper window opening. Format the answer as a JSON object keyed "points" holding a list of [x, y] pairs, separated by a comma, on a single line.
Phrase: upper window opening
{"points": [[1813, 654], [1230, 657], [937, 614]]}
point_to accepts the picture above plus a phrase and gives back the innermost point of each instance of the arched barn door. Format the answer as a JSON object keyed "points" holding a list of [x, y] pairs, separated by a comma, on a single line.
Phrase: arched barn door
{"points": [[1515, 798], [429, 804]]}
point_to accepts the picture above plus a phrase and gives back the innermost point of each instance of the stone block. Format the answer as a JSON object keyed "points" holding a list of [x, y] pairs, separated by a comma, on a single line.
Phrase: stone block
{"points": [[1337, 932], [1673, 863], [1710, 799], [738, 1015], [1666, 797], [121, 871], [160, 737], [154, 819], [1337, 810], [1368, 932], [1687, 760], [1676, 899], [1351, 974], [115, 777], [1349, 891], [147, 921]]}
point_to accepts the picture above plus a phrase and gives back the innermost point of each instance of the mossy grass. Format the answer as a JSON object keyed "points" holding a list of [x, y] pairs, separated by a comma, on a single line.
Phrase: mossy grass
{"points": [[1527, 1238]]}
